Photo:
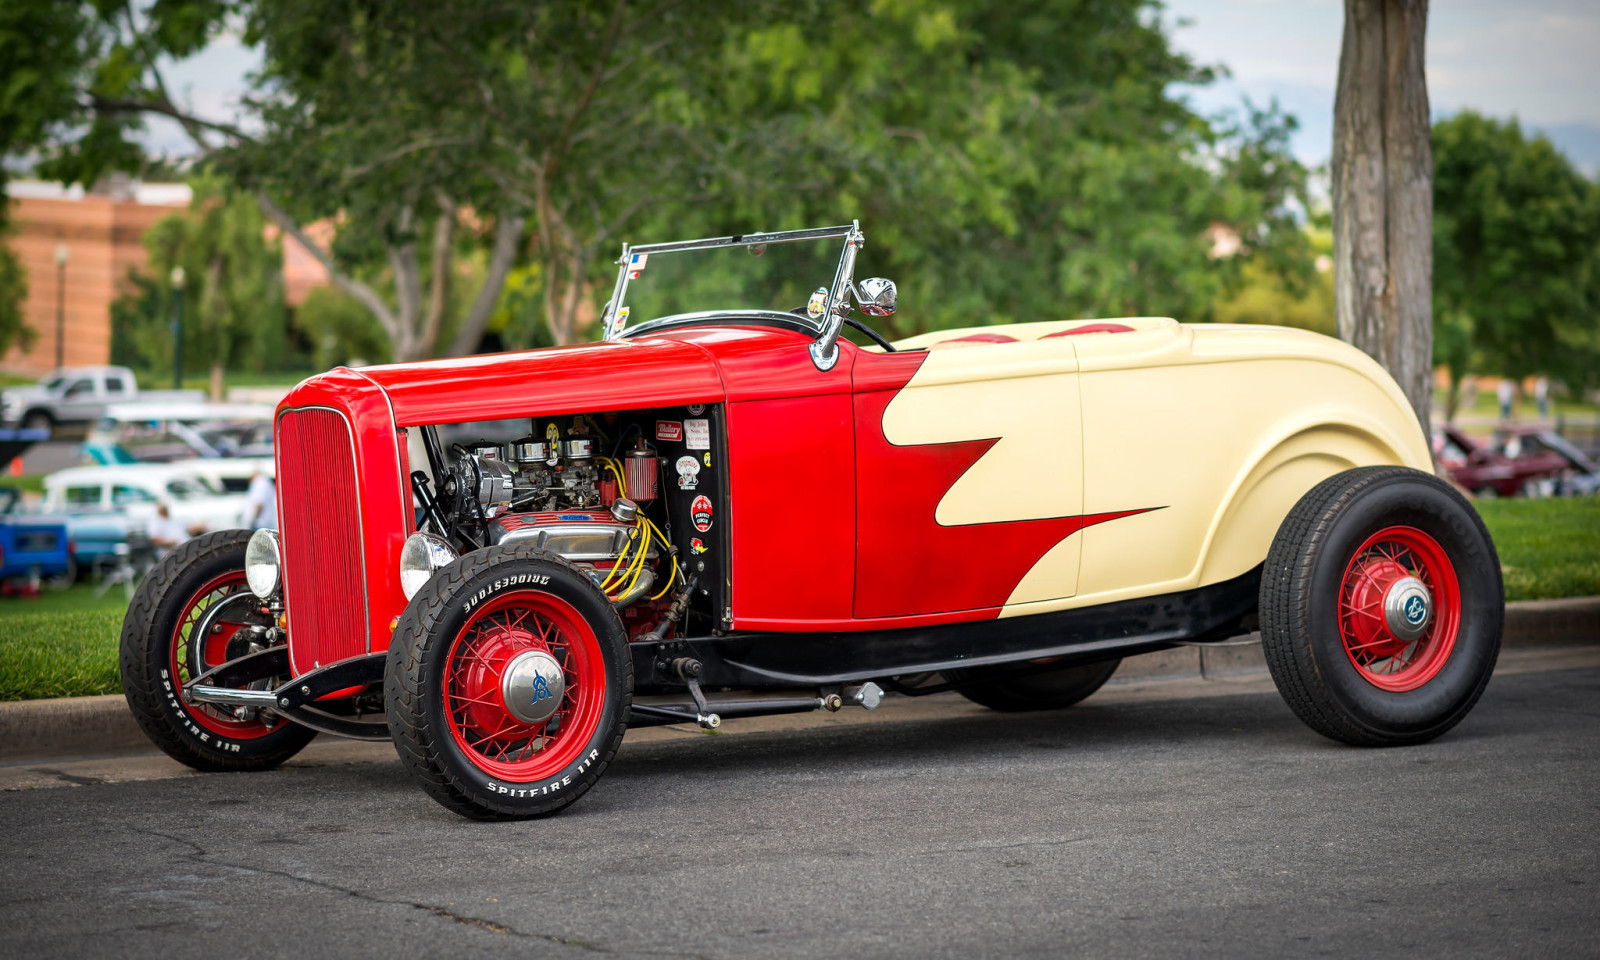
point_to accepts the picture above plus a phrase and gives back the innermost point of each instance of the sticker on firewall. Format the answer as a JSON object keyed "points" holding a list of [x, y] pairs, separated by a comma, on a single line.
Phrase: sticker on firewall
{"points": [[669, 430], [708, 458], [696, 546], [697, 434], [700, 513], [688, 473], [695, 409]]}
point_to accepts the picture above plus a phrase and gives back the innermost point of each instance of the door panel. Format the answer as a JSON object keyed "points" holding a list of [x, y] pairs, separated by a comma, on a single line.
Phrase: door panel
{"points": [[791, 485], [969, 466]]}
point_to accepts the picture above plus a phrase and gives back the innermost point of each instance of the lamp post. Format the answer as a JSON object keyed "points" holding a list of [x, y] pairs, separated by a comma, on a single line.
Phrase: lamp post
{"points": [[61, 305], [177, 329]]}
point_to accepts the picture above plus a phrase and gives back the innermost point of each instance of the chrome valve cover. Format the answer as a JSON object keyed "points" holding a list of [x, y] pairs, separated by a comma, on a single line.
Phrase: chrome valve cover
{"points": [[578, 535]]}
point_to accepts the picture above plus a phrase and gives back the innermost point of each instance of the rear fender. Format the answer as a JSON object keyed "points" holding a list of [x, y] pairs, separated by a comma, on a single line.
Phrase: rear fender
{"points": [[1275, 481]]}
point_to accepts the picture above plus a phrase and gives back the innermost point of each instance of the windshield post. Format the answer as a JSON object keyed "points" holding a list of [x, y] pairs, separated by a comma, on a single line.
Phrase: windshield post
{"points": [[610, 323], [825, 349]]}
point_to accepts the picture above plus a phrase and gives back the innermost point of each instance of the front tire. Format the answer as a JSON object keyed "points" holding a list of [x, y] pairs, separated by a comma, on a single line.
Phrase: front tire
{"points": [[1382, 607], [508, 684], [1051, 688], [157, 657]]}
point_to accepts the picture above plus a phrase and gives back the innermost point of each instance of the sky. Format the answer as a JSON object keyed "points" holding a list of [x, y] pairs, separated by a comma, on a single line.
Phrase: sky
{"points": [[1538, 61]]}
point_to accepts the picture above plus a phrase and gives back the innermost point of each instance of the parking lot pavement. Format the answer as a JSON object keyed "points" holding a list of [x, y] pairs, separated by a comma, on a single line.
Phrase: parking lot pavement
{"points": [[1199, 818]]}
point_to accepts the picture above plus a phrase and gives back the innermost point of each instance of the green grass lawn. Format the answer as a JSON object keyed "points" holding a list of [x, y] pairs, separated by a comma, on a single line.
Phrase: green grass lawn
{"points": [[1548, 548], [33, 484], [64, 644], [60, 644], [1487, 405]]}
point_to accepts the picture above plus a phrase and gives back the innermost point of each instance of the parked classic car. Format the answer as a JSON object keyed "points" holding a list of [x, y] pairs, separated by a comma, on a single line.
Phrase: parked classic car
{"points": [[738, 512], [109, 509], [1515, 461], [33, 547], [226, 443], [79, 395]]}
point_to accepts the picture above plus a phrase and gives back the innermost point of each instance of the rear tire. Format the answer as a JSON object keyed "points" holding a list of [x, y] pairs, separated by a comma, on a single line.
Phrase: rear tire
{"points": [[450, 705], [1357, 652], [156, 660], [1049, 689]]}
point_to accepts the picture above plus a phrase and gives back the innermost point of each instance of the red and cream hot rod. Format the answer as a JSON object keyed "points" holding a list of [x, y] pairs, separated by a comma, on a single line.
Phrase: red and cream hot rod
{"points": [[500, 562]]}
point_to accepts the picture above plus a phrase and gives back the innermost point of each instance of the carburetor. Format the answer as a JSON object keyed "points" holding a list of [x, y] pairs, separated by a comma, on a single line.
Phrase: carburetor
{"points": [[555, 472]]}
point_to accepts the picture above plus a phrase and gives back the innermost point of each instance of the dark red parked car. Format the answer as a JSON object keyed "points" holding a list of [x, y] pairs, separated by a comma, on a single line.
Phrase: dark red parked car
{"points": [[1516, 461]]}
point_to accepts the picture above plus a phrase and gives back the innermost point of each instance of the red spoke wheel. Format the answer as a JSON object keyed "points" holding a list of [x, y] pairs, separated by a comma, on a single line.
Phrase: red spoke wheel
{"points": [[160, 651], [1399, 608], [508, 684], [1381, 607], [192, 656]]}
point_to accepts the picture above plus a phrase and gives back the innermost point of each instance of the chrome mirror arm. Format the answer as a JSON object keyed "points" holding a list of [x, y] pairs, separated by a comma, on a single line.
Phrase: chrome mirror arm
{"points": [[825, 349]]}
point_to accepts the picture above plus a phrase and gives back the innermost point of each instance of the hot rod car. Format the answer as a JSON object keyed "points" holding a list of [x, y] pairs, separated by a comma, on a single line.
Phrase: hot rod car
{"points": [[500, 562]]}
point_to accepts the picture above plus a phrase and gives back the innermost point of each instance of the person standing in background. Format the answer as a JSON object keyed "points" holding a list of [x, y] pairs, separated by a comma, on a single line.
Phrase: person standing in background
{"points": [[1541, 394], [165, 532], [1505, 392], [261, 502]]}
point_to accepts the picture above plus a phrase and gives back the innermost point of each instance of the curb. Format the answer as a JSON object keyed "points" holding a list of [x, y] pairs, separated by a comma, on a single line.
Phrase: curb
{"points": [[92, 726]]}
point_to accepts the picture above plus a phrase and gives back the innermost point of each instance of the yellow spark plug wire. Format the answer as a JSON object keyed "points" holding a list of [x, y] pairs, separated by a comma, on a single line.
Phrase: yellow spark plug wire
{"points": [[636, 566], [672, 573], [620, 565]]}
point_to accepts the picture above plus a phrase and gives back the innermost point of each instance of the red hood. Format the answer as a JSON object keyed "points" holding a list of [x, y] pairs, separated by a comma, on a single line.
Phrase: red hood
{"points": [[591, 376], [710, 364]]}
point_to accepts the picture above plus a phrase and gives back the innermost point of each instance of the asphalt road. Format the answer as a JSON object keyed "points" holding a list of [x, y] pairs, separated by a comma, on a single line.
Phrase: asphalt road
{"points": [[1140, 824]]}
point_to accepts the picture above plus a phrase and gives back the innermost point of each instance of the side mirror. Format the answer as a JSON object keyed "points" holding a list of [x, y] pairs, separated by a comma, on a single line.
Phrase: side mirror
{"points": [[876, 296]]}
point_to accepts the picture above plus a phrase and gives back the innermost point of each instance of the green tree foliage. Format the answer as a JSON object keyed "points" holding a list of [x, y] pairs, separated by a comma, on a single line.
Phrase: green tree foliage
{"points": [[1264, 296], [43, 56], [1516, 255], [1011, 161], [234, 314], [341, 330]]}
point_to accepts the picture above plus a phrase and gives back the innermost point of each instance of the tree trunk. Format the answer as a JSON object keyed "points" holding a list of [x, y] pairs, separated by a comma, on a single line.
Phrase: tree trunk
{"points": [[439, 284], [407, 288], [507, 232], [1383, 193], [214, 308]]}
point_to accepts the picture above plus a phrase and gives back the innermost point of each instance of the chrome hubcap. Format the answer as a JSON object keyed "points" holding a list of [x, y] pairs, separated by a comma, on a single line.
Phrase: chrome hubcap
{"points": [[532, 686], [1408, 608]]}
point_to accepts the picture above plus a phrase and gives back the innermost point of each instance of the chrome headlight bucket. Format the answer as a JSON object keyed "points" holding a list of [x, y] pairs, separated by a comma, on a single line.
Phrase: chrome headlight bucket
{"points": [[422, 556], [263, 563]]}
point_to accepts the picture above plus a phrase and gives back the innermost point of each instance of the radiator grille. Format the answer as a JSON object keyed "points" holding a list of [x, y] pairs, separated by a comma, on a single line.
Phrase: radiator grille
{"points": [[320, 524]]}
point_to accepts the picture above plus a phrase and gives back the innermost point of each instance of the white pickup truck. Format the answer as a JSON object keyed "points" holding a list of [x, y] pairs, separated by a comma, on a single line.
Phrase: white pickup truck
{"points": [[79, 395]]}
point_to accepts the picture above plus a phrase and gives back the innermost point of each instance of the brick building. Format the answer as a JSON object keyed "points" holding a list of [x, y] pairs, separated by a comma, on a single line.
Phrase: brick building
{"points": [[101, 232]]}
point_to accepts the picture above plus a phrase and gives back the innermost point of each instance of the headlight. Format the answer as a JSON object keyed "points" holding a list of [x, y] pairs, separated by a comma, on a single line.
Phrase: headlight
{"points": [[423, 555], [263, 563]]}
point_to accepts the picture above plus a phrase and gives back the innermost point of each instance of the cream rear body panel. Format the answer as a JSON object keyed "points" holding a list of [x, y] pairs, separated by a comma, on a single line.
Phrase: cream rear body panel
{"points": [[1215, 430]]}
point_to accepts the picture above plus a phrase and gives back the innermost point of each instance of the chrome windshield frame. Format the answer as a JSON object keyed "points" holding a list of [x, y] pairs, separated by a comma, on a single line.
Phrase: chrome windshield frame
{"points": [[824, 350]]}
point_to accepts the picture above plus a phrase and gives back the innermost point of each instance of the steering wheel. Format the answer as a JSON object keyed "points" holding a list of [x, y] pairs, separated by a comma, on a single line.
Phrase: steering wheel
{"points": [[873, 334]]}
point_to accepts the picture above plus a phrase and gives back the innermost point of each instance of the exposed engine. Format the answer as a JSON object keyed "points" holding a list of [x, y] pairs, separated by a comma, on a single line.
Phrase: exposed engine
{"points": [[560, 489]]}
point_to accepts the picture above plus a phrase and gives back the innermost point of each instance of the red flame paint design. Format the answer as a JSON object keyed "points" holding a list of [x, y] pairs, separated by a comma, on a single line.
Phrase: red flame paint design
{"points": [[907, 563]]}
